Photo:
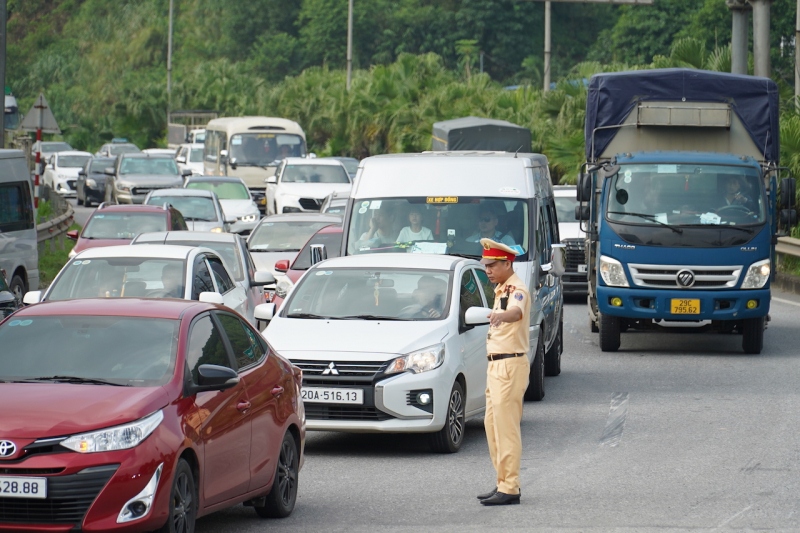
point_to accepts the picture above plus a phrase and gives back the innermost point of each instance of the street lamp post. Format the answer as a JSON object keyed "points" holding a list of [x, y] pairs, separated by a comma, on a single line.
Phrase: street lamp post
{"points": [[349, 42], [169, 65]]}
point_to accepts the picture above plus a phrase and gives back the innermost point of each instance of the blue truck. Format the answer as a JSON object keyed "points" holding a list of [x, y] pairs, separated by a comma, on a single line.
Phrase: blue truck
{"points": [[681, 202]]}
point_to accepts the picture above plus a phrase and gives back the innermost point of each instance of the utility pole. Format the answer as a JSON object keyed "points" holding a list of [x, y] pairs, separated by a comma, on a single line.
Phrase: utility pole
{"points": [[169, 66], [3, 21], [739, 34], [349, 42], [546, 74], [797, 58], [761, 37]]}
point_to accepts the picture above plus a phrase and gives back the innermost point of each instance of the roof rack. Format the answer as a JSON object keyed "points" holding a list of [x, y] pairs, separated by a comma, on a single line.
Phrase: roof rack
{"points": [[102, 205]]}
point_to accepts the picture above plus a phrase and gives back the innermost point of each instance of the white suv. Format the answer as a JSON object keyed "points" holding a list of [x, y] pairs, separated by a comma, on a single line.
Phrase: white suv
{"points": [[300, 185]]}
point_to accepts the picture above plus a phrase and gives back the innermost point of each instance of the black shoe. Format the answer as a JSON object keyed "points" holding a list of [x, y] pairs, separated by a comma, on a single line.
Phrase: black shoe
{"points": [[501, 498], [487, 494]]}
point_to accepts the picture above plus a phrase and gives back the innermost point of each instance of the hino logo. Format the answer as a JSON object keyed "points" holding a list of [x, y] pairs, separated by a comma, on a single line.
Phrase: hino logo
{"points": [[331, 370], [625, 246], [685, 278], [7, 448]]}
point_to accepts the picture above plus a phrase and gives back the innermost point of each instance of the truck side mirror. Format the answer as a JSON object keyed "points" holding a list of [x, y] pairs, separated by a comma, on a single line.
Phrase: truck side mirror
{"points": [[788, 193], [788, 219], [584, 191], [582, 212]]}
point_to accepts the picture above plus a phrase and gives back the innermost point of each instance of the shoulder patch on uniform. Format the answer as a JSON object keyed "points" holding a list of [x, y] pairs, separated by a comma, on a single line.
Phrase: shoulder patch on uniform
{"points": [[519, 296]]}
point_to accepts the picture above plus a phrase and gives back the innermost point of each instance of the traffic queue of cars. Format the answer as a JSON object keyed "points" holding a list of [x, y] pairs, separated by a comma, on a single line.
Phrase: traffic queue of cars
{"points": [[377, 323]]}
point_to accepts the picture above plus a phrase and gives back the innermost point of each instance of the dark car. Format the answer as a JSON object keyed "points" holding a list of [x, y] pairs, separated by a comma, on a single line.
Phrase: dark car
{"points": [[112, 225], [135, 175], [138, 414], [91, 185], [113, 149]]}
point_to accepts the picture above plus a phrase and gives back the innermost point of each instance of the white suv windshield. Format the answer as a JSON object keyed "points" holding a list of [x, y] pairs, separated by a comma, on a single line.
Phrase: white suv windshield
{"points": [[452, 225], [388, 294]]}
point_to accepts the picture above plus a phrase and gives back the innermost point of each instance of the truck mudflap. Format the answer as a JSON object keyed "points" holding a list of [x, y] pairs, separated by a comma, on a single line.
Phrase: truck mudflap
{"points": [[683, 305]]}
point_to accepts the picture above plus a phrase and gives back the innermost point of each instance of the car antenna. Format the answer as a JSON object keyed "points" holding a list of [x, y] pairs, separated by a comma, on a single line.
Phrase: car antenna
{"points": [[518, 149]]}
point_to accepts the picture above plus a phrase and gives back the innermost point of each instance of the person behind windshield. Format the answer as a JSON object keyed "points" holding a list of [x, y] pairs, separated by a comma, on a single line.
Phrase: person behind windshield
{"points": [[172, 279], [429, 296], [381, 231], [734, 194], [415, 231], [285, 151], [487, 228]]}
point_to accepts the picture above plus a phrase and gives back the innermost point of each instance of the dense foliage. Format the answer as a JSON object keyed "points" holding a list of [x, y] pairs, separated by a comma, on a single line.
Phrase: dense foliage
{"points": [[102, 65]]}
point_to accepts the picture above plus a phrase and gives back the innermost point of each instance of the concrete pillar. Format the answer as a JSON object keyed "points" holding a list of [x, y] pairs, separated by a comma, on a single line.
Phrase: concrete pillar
{"points": [[739, 35], [761, 37]]}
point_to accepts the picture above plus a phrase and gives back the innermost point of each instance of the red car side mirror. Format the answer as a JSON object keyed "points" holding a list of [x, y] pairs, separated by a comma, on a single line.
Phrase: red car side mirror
{"points": [[282, 265]]}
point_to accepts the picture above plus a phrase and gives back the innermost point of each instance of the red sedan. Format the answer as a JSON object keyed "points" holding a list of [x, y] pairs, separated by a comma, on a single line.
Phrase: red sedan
{"points": [[135, 415]]}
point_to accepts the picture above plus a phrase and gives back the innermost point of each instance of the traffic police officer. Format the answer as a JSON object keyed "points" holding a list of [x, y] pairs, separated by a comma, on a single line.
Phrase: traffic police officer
{"points": [[507, 347]]}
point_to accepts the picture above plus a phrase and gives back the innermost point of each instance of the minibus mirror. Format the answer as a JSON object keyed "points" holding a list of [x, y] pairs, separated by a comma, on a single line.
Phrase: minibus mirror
{"points": [[582, 212], [584, 191], [232, 163], [788, 193]]}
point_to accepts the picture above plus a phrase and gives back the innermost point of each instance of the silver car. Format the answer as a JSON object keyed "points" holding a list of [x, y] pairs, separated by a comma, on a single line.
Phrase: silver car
{"points": [[200, 209], [233, 250]]}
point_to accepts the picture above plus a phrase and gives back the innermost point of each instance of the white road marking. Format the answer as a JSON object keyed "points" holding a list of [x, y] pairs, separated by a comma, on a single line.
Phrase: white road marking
{"points": [[615, 423], [781, 300], [734, 517]]}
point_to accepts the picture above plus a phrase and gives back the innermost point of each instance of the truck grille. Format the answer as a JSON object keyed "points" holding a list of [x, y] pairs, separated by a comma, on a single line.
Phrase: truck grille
{"points": [[68, 499], [666, 276], [575, 253], [310, 204]]}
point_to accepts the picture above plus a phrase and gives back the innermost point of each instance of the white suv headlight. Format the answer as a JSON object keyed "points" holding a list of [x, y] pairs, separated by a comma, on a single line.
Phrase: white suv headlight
{"points": [[116, 438], [757, 275], [419, 361], [612, 272], [248, 218]]}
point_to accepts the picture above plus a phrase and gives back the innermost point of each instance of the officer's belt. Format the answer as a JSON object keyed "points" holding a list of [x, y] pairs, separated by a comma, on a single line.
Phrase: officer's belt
{"points": [[498, 356]]}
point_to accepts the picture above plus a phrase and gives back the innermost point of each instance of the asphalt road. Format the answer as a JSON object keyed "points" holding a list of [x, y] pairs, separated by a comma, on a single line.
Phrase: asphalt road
{"points": [[675, 432], [81, 214]]}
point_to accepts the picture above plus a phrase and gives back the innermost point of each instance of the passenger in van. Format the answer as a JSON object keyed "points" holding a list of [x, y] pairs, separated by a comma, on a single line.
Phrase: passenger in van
{"points": [[415, 231], [381, 231], [487, 228]]}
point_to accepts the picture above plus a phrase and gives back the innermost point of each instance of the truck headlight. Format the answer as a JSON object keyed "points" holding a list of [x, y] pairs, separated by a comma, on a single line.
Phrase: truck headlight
{"points": [[115, 438], [282, 287], [757, 275], [612, 272], [419, 361]]}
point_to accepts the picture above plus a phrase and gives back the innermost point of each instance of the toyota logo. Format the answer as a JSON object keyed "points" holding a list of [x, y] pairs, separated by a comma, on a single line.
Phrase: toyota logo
{"points": [[7, 448], [685, 278]]}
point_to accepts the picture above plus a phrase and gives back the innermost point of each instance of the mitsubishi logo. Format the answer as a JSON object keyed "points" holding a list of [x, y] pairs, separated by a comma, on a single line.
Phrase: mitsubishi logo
{"points": [[7, 448], [331, 370], [685, 278]]}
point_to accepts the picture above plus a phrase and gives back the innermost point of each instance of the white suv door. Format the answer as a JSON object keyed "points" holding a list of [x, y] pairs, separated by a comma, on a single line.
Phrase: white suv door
{"points": [[233, 294]]}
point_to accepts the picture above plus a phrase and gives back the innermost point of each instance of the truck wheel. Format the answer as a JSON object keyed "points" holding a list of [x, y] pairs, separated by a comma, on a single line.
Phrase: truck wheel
{"points": [[451, 436], [535, 390], [552, 359], [753, 335], [609, 333]]}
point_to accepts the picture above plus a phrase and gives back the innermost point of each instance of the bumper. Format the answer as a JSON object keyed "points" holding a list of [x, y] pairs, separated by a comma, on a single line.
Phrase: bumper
{"points": [[389, 404], [65, 187], [89, 490], [243, 227], [128, 198], [656, 304]]}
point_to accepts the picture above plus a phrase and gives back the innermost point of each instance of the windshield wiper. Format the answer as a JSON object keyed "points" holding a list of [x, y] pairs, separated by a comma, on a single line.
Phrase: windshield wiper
{"points": [[648, 217], [727, 226], [198, 219], [308, 315], [465, 256], [76, 379], [369, 317]]}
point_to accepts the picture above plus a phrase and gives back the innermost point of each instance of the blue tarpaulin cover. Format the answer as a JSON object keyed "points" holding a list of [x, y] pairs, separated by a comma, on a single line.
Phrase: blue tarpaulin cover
{"points": [[612, 97]]}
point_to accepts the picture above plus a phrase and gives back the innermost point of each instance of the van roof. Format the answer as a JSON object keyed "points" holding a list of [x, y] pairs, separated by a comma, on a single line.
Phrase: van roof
{"points": [[11, 154], [447, 174], [255, 124]]}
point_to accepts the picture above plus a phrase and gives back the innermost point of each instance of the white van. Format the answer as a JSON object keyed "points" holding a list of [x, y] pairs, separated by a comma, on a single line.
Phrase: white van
{"points": [[250, 148], [461, 197], [19, 256]]}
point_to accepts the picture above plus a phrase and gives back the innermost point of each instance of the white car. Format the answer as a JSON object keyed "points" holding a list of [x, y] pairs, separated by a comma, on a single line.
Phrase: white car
{"points": [[190, 156], [388, 343], [233, 251], [300, 185], [145, 271], [201, 209], [61, 172], [280, 237], [574, 278], [234, 197]]}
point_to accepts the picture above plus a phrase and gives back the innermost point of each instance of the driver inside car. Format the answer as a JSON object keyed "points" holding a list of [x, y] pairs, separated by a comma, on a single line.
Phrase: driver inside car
{"points": [[429, 297], [734, 195], [172, 279]]}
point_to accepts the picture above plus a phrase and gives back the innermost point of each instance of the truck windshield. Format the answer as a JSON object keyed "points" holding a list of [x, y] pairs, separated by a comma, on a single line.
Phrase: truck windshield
{"points": [[446, 224], [259, 149], [686, 195]]}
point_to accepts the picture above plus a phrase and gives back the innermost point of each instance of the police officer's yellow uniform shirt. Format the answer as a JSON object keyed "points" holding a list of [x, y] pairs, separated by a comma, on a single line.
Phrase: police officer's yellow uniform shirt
{"points": [[511, 337]]}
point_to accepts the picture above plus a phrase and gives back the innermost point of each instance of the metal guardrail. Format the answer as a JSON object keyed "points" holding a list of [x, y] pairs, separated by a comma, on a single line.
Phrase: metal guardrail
{"points": [[54, 227], [788, 246]]}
